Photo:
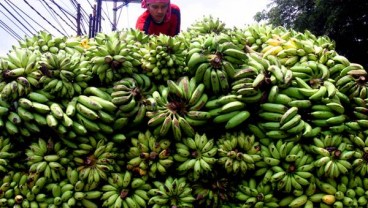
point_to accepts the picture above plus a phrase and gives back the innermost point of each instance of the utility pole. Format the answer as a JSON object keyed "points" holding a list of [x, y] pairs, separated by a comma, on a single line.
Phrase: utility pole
{"points": [[116, 8], [78, 19]]}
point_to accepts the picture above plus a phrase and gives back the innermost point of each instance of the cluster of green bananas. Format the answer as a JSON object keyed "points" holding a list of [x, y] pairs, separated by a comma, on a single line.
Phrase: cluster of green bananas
{"points": [[64, 75], [47, 158], [286, 166], [18, 118], [195, 156], [173, 192], [352, 81], [228, 110], [292, 47], [206, 25], [163, 58], [95, 160], [125, 190], [149, 156], [252, 193], [238, 152], [359, 142], [91, 112], [130, 95], [16, 191], [333, 155], [45, 42], [179, 107], [109, 57], [256, 35], [7, 154], [213, 61], [280, 121], [215, 190], [359, 119], [66, 194], [19, 73]]}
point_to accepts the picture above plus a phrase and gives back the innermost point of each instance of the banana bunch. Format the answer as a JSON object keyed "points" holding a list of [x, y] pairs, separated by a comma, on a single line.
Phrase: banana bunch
{"points": [[256, 35], [206, 25], [238, 152], [358, 117], [247, 85], [109, 57], [286, 166], [135, 40], [174, 192], [7, 154], [350, 191], [130, 95], [280, 121], [228, 110], [179, 107], [163, 58], [18, 73], [124, 190], [47, 158], [333, 155], [195, 156], [45, 42], [352, 81], [312, 196], [329, 116], [28, 114], [95, 160], [215, 190], [16, 192], [213, 60], [89, 114], [63, 75], [252, 193], [359, 142], [149, 156], [66, 194]]}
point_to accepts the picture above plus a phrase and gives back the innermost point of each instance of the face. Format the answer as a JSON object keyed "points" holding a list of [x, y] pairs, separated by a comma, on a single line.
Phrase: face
{"points": [[158, 11]]}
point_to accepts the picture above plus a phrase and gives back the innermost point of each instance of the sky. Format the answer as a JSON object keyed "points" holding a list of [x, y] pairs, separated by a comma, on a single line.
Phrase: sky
{"points": [[237, 13]]}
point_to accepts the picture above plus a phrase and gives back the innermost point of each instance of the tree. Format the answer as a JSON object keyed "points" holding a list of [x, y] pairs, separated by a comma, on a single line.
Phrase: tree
{"points": [[344, 21]]}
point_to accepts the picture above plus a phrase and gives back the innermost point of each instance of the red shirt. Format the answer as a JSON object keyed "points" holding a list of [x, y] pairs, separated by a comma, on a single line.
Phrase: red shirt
{"points": [[172, 27]]}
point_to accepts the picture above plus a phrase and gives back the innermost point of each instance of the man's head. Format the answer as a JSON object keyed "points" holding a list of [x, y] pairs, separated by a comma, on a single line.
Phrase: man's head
{"points": [[157, 8]]}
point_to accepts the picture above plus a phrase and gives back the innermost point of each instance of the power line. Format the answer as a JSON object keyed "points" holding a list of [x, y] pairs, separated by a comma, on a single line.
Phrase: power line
{"points": [[15, 18], [9, 3], [73, 22], [43, 17], [9, 30], [29, 17], [14, 22], [56, 19]]}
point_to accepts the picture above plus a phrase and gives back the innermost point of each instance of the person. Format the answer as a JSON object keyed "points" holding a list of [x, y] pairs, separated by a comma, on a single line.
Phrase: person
{"points": [[161, 17]]}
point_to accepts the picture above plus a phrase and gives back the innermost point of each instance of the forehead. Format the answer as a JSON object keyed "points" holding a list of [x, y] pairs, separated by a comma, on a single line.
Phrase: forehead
{"points": [[158, 4]]}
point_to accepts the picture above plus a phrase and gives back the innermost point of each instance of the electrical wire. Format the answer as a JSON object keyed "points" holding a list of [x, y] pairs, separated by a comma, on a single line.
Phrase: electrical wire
{"points": [[11, 6], [9, 30], [65, 12], [29, 17], [16, 18], [43, 17], [54, 17], [73, 28]]}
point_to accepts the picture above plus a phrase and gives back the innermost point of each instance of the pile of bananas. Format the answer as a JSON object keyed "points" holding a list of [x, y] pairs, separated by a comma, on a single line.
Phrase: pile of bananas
{"points": [[260, 116]]}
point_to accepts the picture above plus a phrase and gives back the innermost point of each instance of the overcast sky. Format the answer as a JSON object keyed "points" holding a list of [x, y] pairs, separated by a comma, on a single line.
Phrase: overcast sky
{"points": [[232, 12]]}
